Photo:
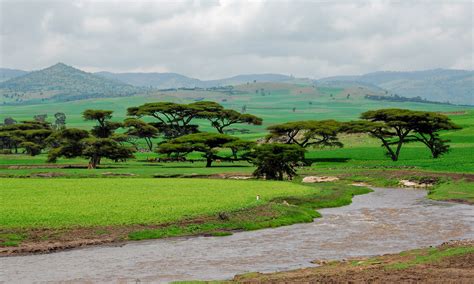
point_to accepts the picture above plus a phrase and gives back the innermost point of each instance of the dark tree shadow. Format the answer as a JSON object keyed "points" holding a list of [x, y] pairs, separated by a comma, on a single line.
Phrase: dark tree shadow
{"points": [[329, 160]]}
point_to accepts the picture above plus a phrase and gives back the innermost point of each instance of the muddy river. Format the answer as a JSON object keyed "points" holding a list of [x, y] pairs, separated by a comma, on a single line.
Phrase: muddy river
{"points": [[385, 221]]}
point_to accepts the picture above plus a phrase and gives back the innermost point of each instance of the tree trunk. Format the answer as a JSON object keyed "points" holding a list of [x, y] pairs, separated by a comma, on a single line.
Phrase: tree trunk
{"points": [[399, 147], [393, 155], [149, 144], [280, 175], [208, 163], [93, 162]]}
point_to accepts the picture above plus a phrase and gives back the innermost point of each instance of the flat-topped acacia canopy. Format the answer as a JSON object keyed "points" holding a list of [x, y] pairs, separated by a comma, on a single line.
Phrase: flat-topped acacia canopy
{"points": [[309, 132]]}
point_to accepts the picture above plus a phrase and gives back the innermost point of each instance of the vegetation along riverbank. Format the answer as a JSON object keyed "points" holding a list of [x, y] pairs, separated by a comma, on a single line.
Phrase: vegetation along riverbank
{"points": [[46, 215], [451, 262]]}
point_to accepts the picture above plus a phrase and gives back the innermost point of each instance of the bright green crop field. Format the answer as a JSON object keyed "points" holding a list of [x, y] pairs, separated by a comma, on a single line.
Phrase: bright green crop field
{"points": [[62, 203]]}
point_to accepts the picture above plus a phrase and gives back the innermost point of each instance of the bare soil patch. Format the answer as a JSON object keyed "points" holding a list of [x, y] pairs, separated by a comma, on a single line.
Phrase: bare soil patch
{"points": [[318, 179]]}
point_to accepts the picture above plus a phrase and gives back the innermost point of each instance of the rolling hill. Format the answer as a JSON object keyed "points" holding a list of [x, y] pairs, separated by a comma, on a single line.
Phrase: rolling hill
{"points": [[65, 83], [61, 82], [274, 102], [7, 74], [443, 85], [155, 80], [174, 80]]}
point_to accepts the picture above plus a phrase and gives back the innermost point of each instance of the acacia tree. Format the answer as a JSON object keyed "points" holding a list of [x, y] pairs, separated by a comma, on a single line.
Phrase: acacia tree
{"points": [[29, 135], [427, 126], [97, 148], [140, 129], [103, 143], [239, 146], [378, 130], [315, 133], [390, 126], [206, 143], [174, 120], [274, 160], [104, 128], [73, 142], [223, 118], [394, 127], [68, 143], [40, 117], [60, 122]]}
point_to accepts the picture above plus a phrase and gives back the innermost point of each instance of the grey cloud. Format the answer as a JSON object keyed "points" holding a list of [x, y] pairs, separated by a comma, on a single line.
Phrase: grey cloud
{"points": [[210, 39]]}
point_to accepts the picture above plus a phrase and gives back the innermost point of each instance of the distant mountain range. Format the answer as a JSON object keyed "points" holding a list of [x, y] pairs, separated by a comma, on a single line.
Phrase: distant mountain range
{"points": [[153, 80], [174, 80], [7, 74], [443, 85], [61, 82]]}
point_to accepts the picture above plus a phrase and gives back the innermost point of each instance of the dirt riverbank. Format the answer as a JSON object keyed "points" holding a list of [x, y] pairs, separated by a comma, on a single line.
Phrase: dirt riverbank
{"points": [[451, 262]]}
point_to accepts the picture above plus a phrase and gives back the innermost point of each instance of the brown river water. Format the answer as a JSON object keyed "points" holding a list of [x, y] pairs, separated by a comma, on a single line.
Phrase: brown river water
{"points": [[385, 221]]}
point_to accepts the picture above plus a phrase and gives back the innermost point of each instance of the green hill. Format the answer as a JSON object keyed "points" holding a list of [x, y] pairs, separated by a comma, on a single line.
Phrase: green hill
{"points": [[174, 80], [442, 85], [61, 82], [274, 102]]}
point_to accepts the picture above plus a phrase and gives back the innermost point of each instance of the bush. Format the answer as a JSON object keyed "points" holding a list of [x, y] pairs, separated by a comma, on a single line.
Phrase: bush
{"points": [[275, 161]]}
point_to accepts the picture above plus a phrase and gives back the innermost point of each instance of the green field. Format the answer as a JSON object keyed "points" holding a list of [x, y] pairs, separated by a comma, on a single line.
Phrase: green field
{"points": [[360, 153], [36, 211], [58, 203], [460, 190], [275, 107], [125, 195]]}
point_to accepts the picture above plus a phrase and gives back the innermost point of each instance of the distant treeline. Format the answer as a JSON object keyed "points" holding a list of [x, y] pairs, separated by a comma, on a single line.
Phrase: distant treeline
{"points": [[223, 89], [397, 98]]}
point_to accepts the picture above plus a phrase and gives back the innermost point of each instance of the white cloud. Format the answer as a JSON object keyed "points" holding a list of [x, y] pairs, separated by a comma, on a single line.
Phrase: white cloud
{"points": [[210, 39]]}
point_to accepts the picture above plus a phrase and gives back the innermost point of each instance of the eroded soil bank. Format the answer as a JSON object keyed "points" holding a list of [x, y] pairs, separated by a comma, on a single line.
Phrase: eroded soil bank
{"points": [[451, 262], [385, 221]]}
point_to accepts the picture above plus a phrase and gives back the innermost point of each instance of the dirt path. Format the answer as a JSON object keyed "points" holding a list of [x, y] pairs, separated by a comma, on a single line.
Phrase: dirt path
{"points": [[433, 267]]}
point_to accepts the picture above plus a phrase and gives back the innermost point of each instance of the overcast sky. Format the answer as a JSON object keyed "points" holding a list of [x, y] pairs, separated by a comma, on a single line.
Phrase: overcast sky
{"points": [[212, 39]]}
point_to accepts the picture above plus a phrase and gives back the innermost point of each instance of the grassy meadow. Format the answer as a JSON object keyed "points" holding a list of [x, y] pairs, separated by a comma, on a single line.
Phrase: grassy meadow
{"points": [[453, 190], [40, 211], [275, 106], [59, 203], [274, 102], [360, 153], [66, 196]]}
